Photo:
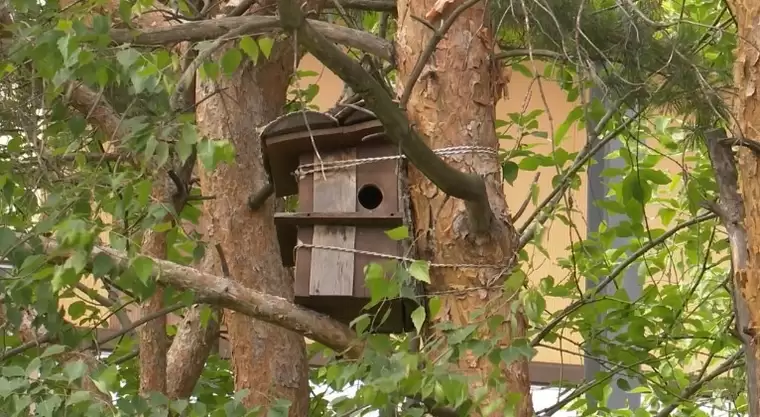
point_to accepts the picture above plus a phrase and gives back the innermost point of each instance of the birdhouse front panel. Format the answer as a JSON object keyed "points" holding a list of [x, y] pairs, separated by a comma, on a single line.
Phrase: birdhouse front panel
{"points": [[376, 182], [366, 189]]}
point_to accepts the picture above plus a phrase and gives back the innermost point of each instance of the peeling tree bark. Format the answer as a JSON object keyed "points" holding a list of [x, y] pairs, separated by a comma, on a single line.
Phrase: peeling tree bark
{"points": [[453, 104], [267, 360], [747, 81]]}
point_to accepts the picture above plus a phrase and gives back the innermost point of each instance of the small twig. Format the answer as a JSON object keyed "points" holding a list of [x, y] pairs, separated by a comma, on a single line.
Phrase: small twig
{"points": [[525, 203], [223, 261], [693, 388], [614, 273], [241, 8], [121, 315]]}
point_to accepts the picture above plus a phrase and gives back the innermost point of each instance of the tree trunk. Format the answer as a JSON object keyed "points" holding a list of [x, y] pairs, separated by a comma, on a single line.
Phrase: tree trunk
{"points": [[453, 104], [747, 81], [267, 360], [153, 340]]}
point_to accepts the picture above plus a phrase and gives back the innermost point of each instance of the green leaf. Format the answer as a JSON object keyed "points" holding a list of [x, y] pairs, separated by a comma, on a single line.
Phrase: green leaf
{"points": [[279, 408], [63, 277], [420, 270], [515, 281], [212, 152], [361, 323], [418, 318], [54, 349], [187, 139], [77, 309], [655, 176], [127, 57], [265, 45], [74, 370], [231, 60], [7, 240], [249, 46], [434, 306], [535, 305], [12, 371], [574, 115], [78, 397], [143, 267], [48, 406], [509, 171], [398, 233], [101, 265]]}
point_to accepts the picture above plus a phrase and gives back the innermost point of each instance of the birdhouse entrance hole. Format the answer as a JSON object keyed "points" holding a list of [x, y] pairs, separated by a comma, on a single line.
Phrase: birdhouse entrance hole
{"points": [[370, 197]]}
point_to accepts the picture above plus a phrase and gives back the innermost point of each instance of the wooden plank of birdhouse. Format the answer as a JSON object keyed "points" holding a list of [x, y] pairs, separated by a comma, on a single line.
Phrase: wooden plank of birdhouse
{"points": [[332, 271]]}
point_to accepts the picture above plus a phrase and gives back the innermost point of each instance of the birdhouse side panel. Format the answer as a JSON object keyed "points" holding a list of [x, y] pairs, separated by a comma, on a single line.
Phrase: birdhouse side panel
{"points": [[377, 182], [332, 267]]}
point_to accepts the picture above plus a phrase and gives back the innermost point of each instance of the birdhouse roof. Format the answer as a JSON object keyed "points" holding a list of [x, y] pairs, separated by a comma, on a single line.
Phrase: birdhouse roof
{"points": [[289, 136]]}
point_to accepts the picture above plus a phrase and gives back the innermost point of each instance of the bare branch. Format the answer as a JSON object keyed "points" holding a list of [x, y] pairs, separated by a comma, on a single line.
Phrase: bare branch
{"points": [[254, 24], [468, 187], [234, 296], [388, 6], [189, 351], [96, 110]]}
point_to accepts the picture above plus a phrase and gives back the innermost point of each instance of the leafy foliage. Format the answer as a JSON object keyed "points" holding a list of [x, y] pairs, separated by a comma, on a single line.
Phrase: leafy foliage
{"points": [[64, 175]]}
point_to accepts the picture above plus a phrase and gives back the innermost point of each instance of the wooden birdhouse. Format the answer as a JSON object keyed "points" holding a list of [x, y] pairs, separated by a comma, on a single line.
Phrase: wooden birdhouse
{"points": [[346, 175]]}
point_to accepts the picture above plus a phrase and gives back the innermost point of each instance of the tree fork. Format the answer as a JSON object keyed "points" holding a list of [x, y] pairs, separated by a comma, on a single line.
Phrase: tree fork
{"points": [[466, 186]]}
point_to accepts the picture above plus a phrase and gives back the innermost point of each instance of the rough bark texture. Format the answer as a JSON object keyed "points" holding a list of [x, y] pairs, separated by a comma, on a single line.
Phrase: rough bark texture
{"points": [[189, 351], [267, 360], [193, 342], [154, 342], [747, 80], [453, 105], [731, 209]]}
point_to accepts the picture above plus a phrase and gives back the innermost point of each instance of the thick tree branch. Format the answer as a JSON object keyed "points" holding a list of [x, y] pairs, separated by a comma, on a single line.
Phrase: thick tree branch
{"points": [[96, 110], [234, 296], [254, 24], [193, 343], [388, 6], [731, 211], [468, 187]]}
